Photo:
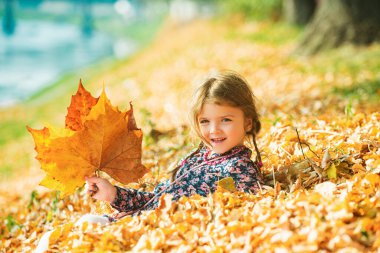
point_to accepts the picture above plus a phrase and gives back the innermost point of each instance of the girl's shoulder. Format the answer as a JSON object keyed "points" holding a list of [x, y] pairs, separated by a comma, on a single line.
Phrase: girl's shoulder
{"points": [[243, 158], [241, 153], [242, 163]]}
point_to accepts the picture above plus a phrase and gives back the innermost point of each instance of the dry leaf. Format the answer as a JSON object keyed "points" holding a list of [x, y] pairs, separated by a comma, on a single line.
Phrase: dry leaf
{"points": [[326, 159], [325, 188], [227, 183], [331, 171], [80, 107], [107, 140]]}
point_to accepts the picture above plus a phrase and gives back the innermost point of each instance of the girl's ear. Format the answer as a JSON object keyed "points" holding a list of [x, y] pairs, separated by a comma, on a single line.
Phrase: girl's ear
{"points": [[248, 125]]}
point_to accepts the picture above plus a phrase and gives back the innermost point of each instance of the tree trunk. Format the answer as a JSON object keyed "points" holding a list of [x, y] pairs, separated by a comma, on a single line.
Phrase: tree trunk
{"points": [[299, 12], [338, 22]]}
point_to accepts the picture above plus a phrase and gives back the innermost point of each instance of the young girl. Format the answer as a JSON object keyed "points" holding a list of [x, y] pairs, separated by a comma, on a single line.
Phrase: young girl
{"points": [[223, 115]]}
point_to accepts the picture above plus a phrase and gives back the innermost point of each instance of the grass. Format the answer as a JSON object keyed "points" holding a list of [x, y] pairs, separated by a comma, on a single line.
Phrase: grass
{"points": [[368, 91], [11, 129], [137, 30], [348, 59], [275, 34], [6, 170]]}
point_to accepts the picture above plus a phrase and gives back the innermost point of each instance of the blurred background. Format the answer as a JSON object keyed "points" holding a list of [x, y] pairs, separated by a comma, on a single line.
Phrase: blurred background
{"points": [[311, 55]]}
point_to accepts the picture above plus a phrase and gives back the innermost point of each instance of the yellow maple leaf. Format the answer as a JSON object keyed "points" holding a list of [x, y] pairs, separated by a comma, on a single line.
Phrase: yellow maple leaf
{"points": [[331, 171], [107, 140], [227, 183]]}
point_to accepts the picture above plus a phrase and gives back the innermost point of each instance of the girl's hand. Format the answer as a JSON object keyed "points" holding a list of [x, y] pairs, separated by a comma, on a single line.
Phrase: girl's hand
{"points": [[101, 189]]}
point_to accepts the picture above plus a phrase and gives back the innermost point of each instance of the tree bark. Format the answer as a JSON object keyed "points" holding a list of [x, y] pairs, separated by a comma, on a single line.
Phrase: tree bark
{"points": [[339, 22], [299, 12]]}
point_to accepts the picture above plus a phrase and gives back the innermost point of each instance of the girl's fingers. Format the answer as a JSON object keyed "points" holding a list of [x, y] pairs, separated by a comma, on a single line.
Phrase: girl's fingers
{"points": [[91, 187], [93, 190], [93, 180]]}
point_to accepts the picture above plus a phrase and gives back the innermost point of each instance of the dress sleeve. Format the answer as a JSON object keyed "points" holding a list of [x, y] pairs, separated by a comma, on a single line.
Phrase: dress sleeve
{"points": [[245, 174], [127, 199], [130, 199], [161, 186]]}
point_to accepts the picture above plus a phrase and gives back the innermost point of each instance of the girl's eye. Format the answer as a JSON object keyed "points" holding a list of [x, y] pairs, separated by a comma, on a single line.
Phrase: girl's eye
{"points": [[203, 121], [226, 120]]}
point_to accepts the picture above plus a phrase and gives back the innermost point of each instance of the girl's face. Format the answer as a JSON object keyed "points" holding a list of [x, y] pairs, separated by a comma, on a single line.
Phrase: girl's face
{"points": [[223, 126]]}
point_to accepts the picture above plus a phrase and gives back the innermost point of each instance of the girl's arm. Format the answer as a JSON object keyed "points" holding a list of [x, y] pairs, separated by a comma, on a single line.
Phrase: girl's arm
{"points": [[127, 199], [132, 200], [122, 199]]}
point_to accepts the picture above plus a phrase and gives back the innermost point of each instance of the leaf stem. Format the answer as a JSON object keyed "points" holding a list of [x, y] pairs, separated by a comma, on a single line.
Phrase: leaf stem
{"points": [[299, 141]]}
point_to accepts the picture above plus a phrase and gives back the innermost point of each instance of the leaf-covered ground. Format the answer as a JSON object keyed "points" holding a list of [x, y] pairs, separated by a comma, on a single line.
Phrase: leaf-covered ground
{"points": [[322, 184]]}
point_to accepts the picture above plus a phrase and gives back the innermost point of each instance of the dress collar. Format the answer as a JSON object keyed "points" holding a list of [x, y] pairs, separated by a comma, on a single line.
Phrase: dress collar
{"points": [[244, 151]]}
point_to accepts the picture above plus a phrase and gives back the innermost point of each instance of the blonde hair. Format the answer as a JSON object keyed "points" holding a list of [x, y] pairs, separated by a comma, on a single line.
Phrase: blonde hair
{"points": [[230, 89]]}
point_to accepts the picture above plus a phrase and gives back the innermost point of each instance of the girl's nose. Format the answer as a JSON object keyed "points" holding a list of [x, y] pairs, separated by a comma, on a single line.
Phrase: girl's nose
{"points": [[214, 128]]}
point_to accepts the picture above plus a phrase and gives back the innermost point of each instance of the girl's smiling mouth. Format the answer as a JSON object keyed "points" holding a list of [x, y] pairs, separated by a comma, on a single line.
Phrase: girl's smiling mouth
{"points": [[218, 140]]}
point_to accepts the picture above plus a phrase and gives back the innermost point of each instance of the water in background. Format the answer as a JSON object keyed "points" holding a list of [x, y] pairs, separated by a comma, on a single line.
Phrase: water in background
{"points": [[39, 52], [56, 37]]}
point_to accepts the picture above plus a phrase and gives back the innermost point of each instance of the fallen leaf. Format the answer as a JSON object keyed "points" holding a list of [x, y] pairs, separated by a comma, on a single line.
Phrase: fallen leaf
{"points": [[326, 159], [325, 188], [227, 183], [331, 171]]}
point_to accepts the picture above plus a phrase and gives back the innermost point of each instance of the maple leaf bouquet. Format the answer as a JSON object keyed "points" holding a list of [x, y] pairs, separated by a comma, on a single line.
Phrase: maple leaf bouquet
{"points": [[97, 136]]}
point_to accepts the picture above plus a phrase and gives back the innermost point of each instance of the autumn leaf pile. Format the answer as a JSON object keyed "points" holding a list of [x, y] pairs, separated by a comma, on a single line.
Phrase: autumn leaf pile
{"points": [[321, 156]]}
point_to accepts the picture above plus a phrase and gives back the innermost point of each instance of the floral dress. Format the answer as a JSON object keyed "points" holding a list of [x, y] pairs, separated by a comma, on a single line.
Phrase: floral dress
{"points": [[198, 174]]}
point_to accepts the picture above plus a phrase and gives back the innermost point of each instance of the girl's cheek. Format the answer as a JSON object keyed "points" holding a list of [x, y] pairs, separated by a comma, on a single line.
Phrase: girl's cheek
{"points": [[204, 129]]}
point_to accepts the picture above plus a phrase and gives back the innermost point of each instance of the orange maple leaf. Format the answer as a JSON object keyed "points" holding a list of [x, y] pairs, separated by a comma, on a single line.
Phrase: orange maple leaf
{"points": [[80, 106], [105, 139]]}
